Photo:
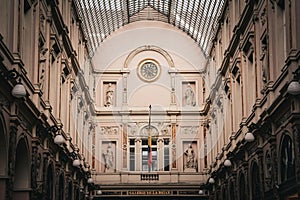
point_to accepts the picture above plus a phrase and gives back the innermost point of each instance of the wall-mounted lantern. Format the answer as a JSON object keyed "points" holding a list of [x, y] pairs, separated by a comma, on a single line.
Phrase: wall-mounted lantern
{"points": [[18, 90], [294, 86]]}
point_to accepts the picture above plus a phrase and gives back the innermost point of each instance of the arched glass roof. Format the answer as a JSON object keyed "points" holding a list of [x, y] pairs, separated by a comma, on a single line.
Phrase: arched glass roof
{"points": [[198, 18]]}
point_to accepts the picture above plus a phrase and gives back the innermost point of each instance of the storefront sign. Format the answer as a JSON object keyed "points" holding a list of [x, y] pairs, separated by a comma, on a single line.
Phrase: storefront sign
{"points": [[149, 192]]}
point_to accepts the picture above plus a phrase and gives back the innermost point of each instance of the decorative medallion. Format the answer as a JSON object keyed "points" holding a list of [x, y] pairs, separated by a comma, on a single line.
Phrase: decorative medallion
{"points": [[145, 131], [148, 70]]}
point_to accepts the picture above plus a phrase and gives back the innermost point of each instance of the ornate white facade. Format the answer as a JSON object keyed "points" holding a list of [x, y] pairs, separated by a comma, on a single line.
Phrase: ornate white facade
{"points": [[77, 78]]}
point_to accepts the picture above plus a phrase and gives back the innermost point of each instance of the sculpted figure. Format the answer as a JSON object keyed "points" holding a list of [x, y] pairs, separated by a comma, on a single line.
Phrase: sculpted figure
{"points": [[109, 95], [190, 157], [108, 157], [189, 96]]}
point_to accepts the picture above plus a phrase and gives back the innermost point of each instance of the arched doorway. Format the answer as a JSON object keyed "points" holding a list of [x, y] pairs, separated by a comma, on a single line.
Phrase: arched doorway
{"points": [[22, 171], [3, 158], [255, 180], [61, 186], [49, 183], [242, 187], [231, 191], [70, 190]]}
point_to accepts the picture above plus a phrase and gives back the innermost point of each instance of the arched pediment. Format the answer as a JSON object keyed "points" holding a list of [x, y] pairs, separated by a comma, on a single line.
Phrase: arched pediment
{"points": [[164, 53]]}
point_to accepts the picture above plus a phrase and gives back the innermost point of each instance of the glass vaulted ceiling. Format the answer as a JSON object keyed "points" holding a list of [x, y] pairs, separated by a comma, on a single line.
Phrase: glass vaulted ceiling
{"points": [[198, 18]]}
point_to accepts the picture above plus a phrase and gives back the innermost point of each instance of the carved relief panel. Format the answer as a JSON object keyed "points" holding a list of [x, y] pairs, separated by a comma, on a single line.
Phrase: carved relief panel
{"points": [[189, 130], [109, 130]]}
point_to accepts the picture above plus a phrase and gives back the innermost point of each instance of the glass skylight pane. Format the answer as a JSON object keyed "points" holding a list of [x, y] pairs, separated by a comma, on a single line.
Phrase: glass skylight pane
{"points": [[194, 18], [88, 27], [199, 18]]}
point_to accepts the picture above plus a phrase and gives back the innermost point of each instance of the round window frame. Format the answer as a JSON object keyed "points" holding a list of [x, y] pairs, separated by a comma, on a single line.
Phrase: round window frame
{"points": [[140, 65]]}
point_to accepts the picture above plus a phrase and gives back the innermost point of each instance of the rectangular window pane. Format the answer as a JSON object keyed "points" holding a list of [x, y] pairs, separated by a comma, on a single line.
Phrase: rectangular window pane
{"points": [[166, 159], [131, 142], [132, 159], [166, 142], [154, 159], [144, 142], [145, 166], [166, 155], [144, 159], [154, 142]]}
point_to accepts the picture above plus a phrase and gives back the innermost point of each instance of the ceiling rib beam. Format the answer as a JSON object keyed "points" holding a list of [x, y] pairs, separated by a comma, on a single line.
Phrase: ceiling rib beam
{"points": [[169, 11], [211, 25], [128, 12], [192, 13], [92, 26]]}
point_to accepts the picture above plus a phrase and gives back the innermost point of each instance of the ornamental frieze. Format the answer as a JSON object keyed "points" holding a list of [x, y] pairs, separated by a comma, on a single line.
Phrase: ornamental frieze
{"points": [[189, 130], [141, 129], [109, 130]]}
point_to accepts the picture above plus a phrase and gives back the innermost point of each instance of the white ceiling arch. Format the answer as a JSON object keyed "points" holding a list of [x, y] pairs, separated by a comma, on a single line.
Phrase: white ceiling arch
{"points": [[170, 39]]}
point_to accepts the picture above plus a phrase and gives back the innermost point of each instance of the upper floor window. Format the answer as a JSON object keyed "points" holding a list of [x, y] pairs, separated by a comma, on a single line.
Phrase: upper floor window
{"points": [[287, 165], [141, 151], [146, 163]]}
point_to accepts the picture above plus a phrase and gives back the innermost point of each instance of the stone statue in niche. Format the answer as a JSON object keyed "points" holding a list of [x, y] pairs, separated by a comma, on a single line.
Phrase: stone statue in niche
{"points": [[189, 96], [108, 158], [109, 95], [42, 21], [42, 68], [190, 158], [264, 62], [269, 170]]}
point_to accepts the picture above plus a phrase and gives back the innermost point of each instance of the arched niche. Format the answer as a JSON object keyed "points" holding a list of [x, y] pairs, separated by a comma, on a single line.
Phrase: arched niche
{"points": [[49, 183], [3, 157], [255, 181], [3, 148], [242, 186], [70, 190], [61, 185], [22, 170]]}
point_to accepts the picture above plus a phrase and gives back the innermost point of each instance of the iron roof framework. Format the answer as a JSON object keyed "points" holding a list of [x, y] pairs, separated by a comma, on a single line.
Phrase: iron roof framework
{"points": [[198, 18]]}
